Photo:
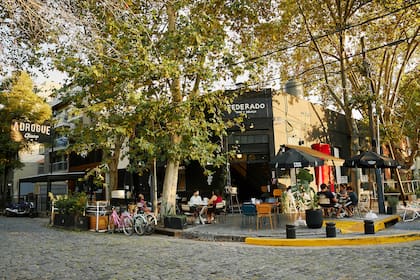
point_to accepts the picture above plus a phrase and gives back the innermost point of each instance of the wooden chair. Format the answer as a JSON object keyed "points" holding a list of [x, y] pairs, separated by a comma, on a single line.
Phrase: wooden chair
{"points": [[325, 204], [189, 212], [277, 193], [264, 189], [264, 212], [221, 211]]}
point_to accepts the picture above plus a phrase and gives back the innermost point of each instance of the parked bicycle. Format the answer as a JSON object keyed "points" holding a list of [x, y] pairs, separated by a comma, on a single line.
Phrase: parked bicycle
{"points": [[144, 223], [122, 223]]}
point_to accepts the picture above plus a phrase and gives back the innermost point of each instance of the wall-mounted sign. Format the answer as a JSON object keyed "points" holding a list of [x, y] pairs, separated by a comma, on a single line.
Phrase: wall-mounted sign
{"points": [[31, 132], [253, 107]]}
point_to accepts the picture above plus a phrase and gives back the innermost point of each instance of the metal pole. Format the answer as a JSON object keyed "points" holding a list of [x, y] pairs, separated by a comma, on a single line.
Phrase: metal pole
{"points": [[155, 198], [228, 176]]}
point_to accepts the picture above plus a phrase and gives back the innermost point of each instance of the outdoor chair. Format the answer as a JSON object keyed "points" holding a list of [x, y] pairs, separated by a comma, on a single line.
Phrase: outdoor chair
{"points": [[189, 212], [326, 206], [249, 212], [363, 205], [414, 208], [221, 211], [277, 193], [264, 212]]}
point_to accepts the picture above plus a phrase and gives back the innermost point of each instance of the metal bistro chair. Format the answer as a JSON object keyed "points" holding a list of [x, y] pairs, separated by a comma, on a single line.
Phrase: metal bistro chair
{"points": [[249, 212]]}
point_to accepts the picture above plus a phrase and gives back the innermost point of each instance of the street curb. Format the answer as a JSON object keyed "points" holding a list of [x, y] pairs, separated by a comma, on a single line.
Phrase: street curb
{"points": [[324, 242], [347, 227]]}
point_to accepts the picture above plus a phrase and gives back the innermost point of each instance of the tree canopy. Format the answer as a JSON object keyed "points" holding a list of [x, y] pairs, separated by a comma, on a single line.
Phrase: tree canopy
{"points": [[20, 103], [144, 73]]}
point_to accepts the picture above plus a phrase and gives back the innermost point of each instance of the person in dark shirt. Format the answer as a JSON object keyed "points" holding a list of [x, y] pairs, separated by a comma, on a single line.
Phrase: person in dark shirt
{"points": [[351, 202], [333, 205], [328, 194]]}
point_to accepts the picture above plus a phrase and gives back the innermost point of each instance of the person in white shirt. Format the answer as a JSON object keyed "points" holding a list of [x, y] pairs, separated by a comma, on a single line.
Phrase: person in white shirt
{"points": [[196, 199]]}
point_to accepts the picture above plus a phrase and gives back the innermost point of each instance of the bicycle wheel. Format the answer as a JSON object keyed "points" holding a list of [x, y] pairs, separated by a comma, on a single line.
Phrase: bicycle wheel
{"points": [[128, 225], [139, 225], [151, 224]]}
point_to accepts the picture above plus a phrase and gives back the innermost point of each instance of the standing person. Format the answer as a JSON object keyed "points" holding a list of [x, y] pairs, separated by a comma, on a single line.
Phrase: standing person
{"points": [[211, 205]]}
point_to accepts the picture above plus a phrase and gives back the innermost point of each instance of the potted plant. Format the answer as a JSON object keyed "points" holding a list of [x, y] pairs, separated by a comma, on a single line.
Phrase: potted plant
{"points": [[71, 211], [307, 199], [392, 205]]}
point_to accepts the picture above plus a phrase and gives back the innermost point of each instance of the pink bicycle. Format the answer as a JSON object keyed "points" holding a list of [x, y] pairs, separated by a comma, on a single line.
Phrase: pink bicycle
{"points": [[122, 223]]}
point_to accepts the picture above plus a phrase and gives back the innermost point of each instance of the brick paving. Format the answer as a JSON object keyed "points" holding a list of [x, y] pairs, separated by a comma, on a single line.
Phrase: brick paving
{"points": [[30, 249]]}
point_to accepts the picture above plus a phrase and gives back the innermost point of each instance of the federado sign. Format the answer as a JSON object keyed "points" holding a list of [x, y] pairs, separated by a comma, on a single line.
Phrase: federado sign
{"points": [[255, 107]]}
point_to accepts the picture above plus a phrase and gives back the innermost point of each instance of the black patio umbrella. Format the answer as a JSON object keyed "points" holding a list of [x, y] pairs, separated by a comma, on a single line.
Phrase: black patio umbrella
{"points": [[371, 160], [293, 158]]}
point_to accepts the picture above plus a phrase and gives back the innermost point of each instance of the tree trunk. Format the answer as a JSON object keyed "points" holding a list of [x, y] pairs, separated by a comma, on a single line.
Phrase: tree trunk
{"points": [[112, 162], [169, 188]]}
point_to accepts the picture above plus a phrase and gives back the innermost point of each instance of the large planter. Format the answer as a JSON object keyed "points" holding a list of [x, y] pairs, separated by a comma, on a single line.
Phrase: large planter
{"points": [[64, 220], [102, 223], [175, 222], [59, 219], [314, 218], [81, 222], [391, 210]]}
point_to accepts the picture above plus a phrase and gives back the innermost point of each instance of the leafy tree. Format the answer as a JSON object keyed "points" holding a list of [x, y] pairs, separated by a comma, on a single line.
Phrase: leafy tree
{"points": [[25, 25], [146, 73], [351, 55], [20, 103]]}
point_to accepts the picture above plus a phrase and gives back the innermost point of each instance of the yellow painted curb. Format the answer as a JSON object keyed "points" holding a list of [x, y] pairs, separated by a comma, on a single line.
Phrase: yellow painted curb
{"points": [[351, 226], [361, 240]]}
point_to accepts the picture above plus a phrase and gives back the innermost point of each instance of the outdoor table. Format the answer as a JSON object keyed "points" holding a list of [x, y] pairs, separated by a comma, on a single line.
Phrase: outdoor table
{"points": [[198, 208]]}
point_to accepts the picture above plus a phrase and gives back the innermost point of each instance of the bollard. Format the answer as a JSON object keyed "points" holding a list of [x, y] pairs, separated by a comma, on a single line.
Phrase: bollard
{"points": [[330, 229], [290, 231], [369, 227]]}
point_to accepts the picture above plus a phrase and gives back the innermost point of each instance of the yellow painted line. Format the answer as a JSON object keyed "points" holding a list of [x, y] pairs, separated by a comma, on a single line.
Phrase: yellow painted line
{"points": [[361, 240]]}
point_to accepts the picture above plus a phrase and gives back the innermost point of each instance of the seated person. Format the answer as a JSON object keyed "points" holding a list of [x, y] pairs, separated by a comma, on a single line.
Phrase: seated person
{"points": [[351, 202], [343, 190], [142, 205], [211, 205], [333, 201], [195, 199]]}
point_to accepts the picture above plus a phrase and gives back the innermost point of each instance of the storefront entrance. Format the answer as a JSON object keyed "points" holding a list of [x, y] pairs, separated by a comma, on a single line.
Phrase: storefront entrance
{"points": [[249, 177]]}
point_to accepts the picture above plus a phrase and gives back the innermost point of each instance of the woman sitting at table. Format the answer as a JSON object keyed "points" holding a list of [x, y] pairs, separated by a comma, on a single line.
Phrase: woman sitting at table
{"points": [[211, 205], [142, 204]]}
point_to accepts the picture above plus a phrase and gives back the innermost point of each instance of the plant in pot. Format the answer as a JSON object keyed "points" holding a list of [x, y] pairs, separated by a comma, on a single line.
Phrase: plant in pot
{"points": [[392, 202], [71, 211], [307, 199]]}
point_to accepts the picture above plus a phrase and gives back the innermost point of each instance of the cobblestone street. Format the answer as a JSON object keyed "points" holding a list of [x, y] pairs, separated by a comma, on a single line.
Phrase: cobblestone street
{"points": [[30, 249]]}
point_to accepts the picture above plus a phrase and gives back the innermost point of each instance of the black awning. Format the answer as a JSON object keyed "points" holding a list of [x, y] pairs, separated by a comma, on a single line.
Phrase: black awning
{"points": [[53, 177]]}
